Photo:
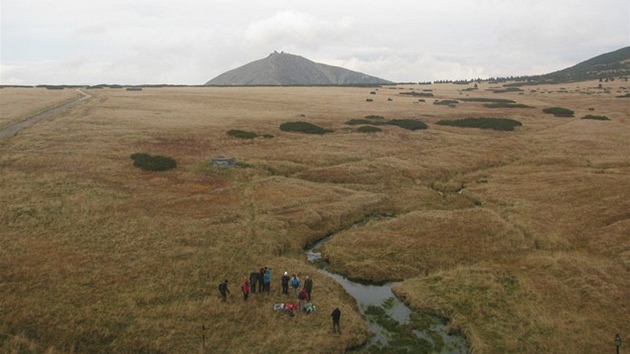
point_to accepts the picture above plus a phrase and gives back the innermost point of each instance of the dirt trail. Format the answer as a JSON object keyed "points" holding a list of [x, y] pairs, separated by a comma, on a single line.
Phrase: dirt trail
{"points": [[11, 130]]}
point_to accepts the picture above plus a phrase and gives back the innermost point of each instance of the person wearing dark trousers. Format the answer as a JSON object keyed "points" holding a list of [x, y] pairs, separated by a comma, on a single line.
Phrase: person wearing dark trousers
{"points": [[223, 289], [261, 280], [253, 279], [336, 318], [308, 286], [285, 283]]}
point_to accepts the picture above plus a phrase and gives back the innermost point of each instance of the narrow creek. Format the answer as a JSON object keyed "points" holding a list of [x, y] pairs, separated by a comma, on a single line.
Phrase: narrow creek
{"points": [[395, 326]]}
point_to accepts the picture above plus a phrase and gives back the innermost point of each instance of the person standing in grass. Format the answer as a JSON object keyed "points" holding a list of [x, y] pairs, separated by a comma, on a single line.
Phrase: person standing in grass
{"points": [[285, 283], [336, 318], [308, 286], [267, 278], [223, 289], [245, 288], [302, 299], [261, 280], [253, 279], [295, 285]]}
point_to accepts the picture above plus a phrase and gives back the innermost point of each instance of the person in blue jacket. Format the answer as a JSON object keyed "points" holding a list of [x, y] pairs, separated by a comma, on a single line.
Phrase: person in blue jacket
{"points": [[267, 278], [295, 285]]}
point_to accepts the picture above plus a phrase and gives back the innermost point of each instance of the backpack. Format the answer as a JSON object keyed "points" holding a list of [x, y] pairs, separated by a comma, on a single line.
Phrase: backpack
{"points": [[295, 283], [302, 295]]}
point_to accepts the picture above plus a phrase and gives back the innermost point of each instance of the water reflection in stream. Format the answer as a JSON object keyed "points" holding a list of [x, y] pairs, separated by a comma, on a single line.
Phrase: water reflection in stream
{"points": [[379, 306]]}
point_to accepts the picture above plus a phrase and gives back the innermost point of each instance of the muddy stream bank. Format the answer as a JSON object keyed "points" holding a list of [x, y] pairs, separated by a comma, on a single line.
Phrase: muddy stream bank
{"points": [[395, 326]]}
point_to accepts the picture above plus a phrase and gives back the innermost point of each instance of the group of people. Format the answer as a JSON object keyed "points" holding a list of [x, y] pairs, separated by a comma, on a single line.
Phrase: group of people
{"points": [[261, 280]]}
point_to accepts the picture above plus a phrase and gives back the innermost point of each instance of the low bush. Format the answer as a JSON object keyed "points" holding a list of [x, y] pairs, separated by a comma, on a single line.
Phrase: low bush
{"points": [[487, 100], [559, 111], [590, 116], [365, 121], [153, 163], [369, 129], [409, 124], [507, 89], [507, 105], [303, 127], [242, 134], [446, 102], [503, 124], [372, 116], [417, 94]]}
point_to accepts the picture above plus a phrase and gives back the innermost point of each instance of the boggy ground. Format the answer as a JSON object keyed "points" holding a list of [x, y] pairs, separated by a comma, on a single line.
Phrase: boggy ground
{"points": [[520, 238]]}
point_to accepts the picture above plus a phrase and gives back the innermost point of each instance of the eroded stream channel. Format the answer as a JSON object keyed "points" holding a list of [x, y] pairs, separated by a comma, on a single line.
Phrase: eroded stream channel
{"points": [[396, 327]]}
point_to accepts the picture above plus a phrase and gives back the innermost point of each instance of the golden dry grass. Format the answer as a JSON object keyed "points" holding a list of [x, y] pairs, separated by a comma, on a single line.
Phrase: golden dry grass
{"points": [[20, 103], [532, 255]]}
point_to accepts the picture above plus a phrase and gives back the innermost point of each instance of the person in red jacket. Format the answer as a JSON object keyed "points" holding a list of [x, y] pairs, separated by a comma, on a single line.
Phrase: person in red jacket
{"points": [[245, 288]]}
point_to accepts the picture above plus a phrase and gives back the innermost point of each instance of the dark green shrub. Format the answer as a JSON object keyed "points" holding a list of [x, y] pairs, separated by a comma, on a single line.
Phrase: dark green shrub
{"points": [[153, 163], [446, 102], [487, 100], [507, 89], [365, 121], [303, 127], [559, 111], [590, 116], [372, 116], [417, 94], [369, 129], [507, 105], [503, 124], [267, 136], [409, 124], [242, 134]]}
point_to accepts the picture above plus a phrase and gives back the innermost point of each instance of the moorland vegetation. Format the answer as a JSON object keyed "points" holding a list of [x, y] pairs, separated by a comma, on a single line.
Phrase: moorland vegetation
{"points": [[504, 124], [518, 238]]}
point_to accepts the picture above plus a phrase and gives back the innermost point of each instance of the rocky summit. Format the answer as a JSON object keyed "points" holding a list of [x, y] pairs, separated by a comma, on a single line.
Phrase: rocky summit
{"points": [[283, 69]]}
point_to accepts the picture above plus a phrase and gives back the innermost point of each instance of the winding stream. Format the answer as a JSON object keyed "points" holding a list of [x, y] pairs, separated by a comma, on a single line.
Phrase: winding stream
{"points": [[394, 325]]}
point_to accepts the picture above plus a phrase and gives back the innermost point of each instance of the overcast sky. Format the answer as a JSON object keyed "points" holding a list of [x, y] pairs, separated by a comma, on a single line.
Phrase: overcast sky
{"points": [[192, 41]]}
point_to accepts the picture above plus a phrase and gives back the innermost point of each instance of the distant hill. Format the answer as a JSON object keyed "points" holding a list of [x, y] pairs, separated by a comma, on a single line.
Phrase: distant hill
{"points": [[282, 69], [613, 64], [606, 66]]}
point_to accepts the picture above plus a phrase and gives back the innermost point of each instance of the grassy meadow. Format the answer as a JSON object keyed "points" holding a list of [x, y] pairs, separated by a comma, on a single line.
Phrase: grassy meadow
{"points": [[520, 238], [18, 104]]}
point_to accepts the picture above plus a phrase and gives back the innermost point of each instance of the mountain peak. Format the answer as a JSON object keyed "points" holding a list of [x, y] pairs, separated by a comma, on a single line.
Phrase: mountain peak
{"points": [[284, 69]]}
